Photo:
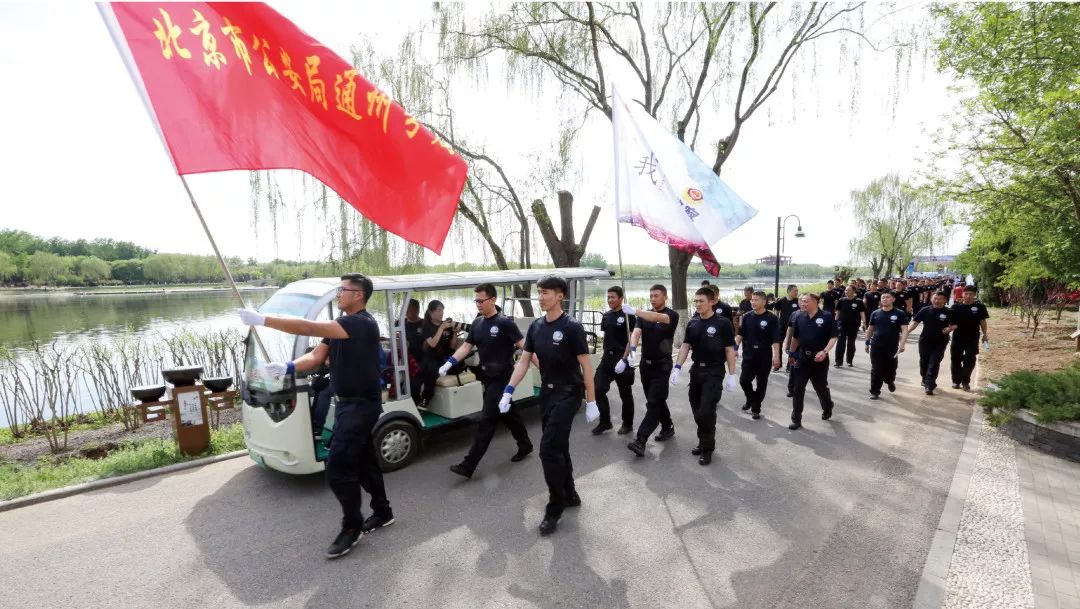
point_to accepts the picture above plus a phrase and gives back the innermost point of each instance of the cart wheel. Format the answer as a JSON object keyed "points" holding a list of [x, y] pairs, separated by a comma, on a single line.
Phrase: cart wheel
{"points": [[396, 444]]}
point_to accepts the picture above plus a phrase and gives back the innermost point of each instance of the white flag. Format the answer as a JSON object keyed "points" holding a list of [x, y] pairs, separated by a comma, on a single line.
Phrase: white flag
{"points": [[664, 187]]}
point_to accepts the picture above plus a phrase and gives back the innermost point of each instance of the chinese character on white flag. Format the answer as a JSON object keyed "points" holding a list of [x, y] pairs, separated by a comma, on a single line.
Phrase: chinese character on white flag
{"points": [[664, 187]]}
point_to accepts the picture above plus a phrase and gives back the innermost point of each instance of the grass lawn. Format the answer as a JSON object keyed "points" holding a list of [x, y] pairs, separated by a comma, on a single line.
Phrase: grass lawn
{"points": [[17, 480], [79, 422]]}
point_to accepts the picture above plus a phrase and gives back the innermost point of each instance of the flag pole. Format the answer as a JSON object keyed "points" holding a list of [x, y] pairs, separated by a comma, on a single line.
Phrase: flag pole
{"points": [[224, 267], [618, 227]]}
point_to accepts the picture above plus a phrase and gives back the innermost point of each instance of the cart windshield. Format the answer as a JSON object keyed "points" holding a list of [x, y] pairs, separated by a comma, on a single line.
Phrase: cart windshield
{"points": [[279, 345]]}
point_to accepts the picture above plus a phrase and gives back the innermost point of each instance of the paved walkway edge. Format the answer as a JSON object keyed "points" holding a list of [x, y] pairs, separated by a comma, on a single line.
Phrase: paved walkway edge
{"points": [[68, 491], [931, 591]]}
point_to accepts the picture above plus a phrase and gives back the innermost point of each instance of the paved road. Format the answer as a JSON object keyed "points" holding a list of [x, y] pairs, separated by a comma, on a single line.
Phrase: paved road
{"points": [[839, 514]]}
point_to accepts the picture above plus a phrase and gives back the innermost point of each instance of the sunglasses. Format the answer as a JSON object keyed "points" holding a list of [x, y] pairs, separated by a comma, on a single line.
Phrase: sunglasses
{"points": [[483, 300]]}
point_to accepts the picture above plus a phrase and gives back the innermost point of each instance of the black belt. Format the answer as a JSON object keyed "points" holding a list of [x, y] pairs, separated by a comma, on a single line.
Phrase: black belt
{"points": [[655, 361], [341, 398], [808, 352], [560, 386], [707, 364], [613, 353]]}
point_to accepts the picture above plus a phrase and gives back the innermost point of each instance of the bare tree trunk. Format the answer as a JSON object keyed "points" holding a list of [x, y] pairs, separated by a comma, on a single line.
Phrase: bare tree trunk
{"points": [[564, 251]]}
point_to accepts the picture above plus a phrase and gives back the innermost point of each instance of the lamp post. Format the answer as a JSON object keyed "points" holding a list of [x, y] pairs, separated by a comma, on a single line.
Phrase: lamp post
{"points": [[781, 227]]}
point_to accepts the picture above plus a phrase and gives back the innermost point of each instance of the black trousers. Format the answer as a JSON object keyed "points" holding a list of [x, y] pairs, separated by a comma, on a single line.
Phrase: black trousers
{"points": [[351, 465], [845, 344], [706, 387], [963, 354], [423, 387], [930, 356], [490, 416], [883, 363], [558, 406], [605, 374], [654, 379], [755, 369], [815, 373]]}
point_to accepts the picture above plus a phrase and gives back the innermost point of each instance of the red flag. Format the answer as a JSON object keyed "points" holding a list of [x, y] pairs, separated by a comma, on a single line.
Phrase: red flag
{"points": [[238, 86]]}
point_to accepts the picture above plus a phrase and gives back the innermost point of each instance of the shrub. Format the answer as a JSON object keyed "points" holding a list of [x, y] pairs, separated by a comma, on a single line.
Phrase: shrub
{"points": [[1050, 396]]}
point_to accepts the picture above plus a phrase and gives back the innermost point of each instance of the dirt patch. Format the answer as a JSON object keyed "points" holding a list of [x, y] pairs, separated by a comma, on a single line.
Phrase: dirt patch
{"points": [[96, 443], [1012, 348]]}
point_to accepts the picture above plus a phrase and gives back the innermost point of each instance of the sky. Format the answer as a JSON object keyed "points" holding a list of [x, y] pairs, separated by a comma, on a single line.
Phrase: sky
{"points": [[80, 158]]}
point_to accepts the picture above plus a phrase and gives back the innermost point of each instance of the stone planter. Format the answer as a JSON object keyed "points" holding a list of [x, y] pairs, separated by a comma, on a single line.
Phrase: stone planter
{"points": [[1061, 439]]}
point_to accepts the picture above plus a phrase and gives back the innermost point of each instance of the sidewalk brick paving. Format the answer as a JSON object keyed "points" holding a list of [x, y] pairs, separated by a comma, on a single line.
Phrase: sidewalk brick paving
{"points": [[1050, 492]]}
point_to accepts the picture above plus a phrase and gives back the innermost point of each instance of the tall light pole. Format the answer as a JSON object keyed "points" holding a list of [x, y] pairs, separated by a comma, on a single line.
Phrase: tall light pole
{"points": [[781, 227]]}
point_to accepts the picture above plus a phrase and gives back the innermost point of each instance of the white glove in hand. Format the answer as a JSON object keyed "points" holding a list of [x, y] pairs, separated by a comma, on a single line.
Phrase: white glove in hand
{"points": [[504, 403], [620, 366], [277, 369], [251, 317], [591, 412], [731, 382], [629, 310], [445, 368], [632, 358], [675, 375]]}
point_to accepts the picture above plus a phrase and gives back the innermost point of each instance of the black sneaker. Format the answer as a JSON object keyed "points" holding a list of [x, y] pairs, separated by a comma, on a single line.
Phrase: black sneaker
{"points": [[791, 394], [462, 469], [637, 447], [956, 385], [377, 522], [850, 365], [892, 387], [746, 406], [573, 499], [826, 414], [875, 396], [705, 458], [601, 428], [696, 450], [344, 542], [838, 365], [665, 434], [967, 386], [523, 451], [625, 429], [755, 415], [795, 426], [548, 525], [929, 391]]}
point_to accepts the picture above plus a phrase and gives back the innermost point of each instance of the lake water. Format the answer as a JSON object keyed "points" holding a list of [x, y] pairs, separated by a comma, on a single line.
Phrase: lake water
{"points": [[69, 318]]}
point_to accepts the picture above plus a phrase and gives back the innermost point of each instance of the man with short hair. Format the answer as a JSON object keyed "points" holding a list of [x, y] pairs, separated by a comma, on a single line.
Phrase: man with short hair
{"points": [[616, 324], [970, 317], [850, 317], [559, 343], [745, 305], [720, 307], [886, 336], [937, 324], [352, 343], [495, 338], [813, 334], [759, 339], [655, 333]]}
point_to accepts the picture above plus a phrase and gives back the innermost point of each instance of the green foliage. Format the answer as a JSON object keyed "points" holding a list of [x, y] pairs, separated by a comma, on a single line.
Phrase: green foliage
{"points": [[8, 268], [1050, 396], [46, 268], [17, 480], [594, 261], [22, 242], [127, 271]]}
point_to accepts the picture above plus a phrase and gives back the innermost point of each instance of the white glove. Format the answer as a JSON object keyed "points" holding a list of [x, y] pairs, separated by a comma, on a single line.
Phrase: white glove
{"points": [[629, 310], [731, 382], [251, 317], [591, 412], [277, 369], [620, 366], [632, 358], [445, 368], [675, 375], [504, 403]]}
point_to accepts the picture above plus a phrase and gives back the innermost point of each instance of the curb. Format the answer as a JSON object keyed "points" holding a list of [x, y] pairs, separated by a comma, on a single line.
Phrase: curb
{"points": [[931, 591], [94, 485]]}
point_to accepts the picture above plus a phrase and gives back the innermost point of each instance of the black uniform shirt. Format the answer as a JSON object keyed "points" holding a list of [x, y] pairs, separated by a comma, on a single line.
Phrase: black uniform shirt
{"points": [[414, 338], [888, 326], [759, 333], [494, 338], [355, 371], [557, 344], [441, 350], [656, 338], [784, 308], [614, 326], [900, 302], [873, 301], [967, 318], [813, 331], [828, 300], [709, 338], [745, 306], [849, 310], [724, 310], [934, 321]]}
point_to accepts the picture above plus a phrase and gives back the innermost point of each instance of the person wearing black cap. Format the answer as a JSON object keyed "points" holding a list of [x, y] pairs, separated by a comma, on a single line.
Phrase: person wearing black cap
{"points": [[850, 316], [559, 343], [886, 336], [656, 333], [937, 325], [352, 343], [970, 317], [616, 324], [759, 339], [496, 338], [813, 335]]}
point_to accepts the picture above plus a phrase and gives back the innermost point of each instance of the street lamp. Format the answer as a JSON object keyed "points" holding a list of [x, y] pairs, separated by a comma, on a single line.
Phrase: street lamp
{"points": [[781, 227]]}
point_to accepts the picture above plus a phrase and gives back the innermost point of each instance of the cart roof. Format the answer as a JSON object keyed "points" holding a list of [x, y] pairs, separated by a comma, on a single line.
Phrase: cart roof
{"points": [[431, 281]]}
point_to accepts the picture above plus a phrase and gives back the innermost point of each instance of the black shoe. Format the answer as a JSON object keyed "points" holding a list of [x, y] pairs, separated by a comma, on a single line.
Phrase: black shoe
{"points": [[696, 450], [892, 387], [838, 365], [850, 365], [746, 406], [548, 525], [956, 385], [826, 414], [377, 522], [665, 434], [637, 447], [967, 387], [929, 391], [573, 499], [705, 458], [462, 469], [523, 451], [875, 396], [791, 394], [601, 428], [795, 426], [344, 542], [625, 429], [755, 415]]}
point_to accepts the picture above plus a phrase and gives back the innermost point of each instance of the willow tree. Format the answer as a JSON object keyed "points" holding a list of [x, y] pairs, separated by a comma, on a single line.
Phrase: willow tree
{"points": [[683, 63], [896, 222]]}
